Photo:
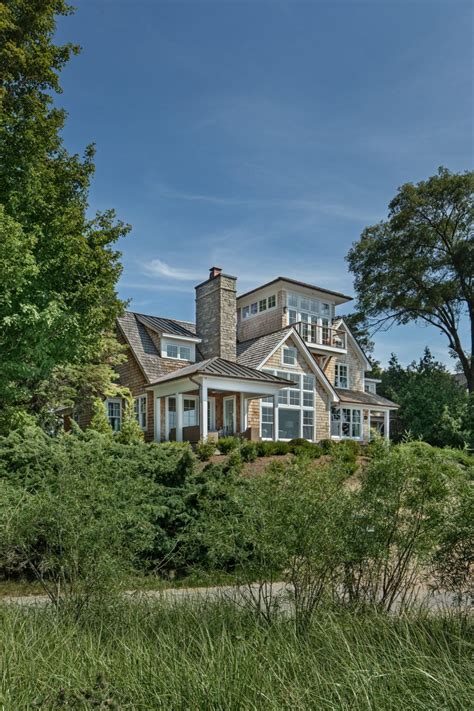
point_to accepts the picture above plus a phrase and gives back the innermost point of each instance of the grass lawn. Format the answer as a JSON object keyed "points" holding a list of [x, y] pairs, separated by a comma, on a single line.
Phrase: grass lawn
{"points": [[204, 655]]}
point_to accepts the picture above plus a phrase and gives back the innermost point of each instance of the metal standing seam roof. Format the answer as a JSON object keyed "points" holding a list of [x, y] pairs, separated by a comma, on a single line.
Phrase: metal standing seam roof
{"points": [[185, 329], [362, 398], [221, 368]]}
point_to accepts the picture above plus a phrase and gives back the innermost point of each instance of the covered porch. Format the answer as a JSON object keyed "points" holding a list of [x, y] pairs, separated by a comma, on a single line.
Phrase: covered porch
{"points": [[194, 403]]}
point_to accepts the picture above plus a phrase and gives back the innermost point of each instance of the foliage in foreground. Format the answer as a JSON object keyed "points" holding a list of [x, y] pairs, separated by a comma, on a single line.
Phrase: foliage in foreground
{"points": [[80, 511], [203, 655]]}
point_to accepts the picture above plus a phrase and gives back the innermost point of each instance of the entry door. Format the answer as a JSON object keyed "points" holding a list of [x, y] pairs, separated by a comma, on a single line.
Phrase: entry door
{"points": [[229, 415]]}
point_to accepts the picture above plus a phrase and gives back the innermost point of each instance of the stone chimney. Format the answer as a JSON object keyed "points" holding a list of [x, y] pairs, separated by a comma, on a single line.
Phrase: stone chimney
{"points": [[216, 315]]}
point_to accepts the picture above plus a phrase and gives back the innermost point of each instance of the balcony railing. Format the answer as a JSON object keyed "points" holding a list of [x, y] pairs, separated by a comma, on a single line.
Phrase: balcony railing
{"points": [[320, 335]]}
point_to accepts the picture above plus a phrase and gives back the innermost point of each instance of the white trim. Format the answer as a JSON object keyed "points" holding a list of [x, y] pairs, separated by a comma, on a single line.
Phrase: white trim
{"points": [[139, 398], [336, 375], [289, 348], [308, 358], [234, 416], [157, 418], [211, 424], [354, 343], [181, 338]]}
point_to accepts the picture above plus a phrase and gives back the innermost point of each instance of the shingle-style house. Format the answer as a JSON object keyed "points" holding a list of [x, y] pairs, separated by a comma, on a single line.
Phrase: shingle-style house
{"points": [[273, 363]]}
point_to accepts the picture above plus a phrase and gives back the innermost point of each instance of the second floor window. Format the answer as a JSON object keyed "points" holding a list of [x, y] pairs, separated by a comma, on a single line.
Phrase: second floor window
{"points": [[341, 379], [179, 352], [289, 356]]}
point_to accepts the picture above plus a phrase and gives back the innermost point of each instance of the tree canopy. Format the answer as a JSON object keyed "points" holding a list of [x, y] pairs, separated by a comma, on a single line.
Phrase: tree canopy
{"points": [[419, 263], [433, 405], [58, 266]]}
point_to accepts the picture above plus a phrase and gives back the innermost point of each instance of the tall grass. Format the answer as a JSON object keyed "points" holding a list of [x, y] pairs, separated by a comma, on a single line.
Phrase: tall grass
{"points": [[210, 655]]}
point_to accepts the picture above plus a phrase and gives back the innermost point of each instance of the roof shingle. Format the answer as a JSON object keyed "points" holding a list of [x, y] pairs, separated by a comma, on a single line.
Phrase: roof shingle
{"points": [[254, 351]]}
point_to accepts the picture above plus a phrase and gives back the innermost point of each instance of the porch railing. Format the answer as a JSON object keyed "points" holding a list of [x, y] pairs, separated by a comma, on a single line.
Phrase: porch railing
{"points": [[321, 335]]}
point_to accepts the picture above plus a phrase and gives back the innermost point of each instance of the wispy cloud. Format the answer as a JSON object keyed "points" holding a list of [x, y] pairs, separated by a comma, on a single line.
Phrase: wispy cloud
{"points": [[303, 204], [159, 268]]}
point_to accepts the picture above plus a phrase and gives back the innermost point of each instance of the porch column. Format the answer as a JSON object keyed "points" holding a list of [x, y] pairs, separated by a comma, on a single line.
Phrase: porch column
{"points": [[157, 416], [179, 417], [386, 424], [369, 432], [203, 410], [275, 417], [243, 413]]}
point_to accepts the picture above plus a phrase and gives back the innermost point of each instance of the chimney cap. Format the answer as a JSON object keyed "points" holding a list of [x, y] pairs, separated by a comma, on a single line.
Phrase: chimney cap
{"points": [[214, 272]]}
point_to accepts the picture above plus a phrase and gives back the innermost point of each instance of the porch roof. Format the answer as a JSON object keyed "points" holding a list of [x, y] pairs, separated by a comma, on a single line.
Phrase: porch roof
{"points": [[222, 368], [359, 397]]}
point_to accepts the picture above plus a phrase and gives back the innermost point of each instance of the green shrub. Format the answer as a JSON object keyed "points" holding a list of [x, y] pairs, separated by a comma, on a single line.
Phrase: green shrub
{"points": [[271, 449], [327, 446], [303, 447], [227, 444], [205, 449], [248, 451], [235, 462]]}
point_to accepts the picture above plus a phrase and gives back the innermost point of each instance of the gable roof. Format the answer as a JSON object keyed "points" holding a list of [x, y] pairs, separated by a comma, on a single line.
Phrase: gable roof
{"points": [[363, 398], [258, 350], [342, 297], [133, 328], [223, 369], [340, 322]]}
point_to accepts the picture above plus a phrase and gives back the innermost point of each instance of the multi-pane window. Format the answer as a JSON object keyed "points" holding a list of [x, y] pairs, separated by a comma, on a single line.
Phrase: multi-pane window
{"points": [[289, 356], [259, 306], [190, 414], [177, 351], [346, 422], [140, 410], [267, 422], [295, 407], [314, 315], [341, 375], [114, 413]]}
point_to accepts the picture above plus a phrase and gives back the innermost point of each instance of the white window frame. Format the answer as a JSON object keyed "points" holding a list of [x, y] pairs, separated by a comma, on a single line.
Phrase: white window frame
{"points": [[179, 345], [337, 376], [266, 404], [258, 307], [140, 407], [234, 419], [286, 349], [351, 409], [168, 425], [114, 401]]}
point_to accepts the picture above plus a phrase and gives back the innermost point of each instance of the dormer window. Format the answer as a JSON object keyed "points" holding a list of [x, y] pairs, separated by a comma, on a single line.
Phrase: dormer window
{"points": [[177, 350]]}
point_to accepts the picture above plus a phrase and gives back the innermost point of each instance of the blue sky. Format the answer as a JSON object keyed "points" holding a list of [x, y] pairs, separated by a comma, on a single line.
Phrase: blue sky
{"points": [[263, 136]]}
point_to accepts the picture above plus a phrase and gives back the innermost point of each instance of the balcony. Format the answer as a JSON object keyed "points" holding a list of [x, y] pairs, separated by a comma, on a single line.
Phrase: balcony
{"points": [[323, 337]]}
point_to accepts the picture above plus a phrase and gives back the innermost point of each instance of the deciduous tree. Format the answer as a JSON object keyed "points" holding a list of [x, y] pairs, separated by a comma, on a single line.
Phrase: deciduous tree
{"points": [[418, 265]]}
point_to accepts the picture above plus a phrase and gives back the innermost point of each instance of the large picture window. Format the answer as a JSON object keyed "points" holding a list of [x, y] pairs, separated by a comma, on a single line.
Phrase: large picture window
{"points": [[295, 407], [346, 422]]}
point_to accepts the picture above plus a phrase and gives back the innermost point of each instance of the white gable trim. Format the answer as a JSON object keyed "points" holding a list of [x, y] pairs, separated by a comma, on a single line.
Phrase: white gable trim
{"points": [[301, 345], [354, 343]]}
